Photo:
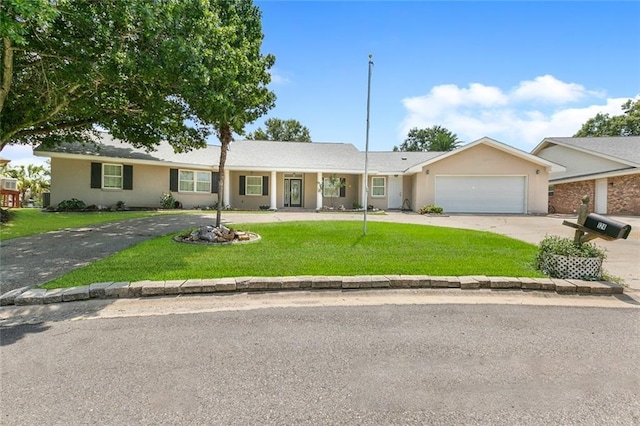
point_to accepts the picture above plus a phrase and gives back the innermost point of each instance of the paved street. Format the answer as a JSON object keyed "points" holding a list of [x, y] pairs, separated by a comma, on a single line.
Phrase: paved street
{"points": [[376, 364]]}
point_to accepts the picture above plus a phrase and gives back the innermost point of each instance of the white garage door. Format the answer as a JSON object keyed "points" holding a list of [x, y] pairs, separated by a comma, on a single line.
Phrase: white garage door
{"points": [[481, 194]]}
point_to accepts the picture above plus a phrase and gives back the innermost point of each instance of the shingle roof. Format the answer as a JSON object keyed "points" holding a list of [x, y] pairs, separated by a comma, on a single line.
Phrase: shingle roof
{"points": [[107, 146], [295, 156], [621, 147], [389, 162]]}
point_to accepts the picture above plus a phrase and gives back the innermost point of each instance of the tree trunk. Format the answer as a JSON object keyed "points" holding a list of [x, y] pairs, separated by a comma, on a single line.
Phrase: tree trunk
{"points": [[225, 136]]}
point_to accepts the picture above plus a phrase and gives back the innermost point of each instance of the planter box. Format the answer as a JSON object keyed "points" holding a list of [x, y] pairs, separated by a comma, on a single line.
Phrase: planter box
{"points": [[558, 266]]}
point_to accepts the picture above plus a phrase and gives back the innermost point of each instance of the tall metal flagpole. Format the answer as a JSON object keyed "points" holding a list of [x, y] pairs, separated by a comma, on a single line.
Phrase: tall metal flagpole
{"points": [[366, 151]]}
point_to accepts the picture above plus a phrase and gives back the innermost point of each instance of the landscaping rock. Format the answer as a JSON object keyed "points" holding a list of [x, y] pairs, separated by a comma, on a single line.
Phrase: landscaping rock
{"points": [[564, 286], [135, 288], [469, 283], [605, 287], [153, 288], [172, 286], [208, 286], [118, 289], [33, 296], [546, 284], [225, 284], [54, 295], [75, 293], [9, 297], [326, 282], [291, 282], [504, 283], [98, 290], [529, 284], [356, 281], [191, 286], [379, 281]]}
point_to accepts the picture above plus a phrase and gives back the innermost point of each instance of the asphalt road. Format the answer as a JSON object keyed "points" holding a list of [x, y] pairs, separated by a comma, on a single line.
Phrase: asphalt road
{"points": [[381, 364]]}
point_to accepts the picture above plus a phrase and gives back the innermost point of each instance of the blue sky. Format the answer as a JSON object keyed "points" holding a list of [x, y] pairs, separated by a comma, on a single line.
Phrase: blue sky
{"points": [[514, 71]]}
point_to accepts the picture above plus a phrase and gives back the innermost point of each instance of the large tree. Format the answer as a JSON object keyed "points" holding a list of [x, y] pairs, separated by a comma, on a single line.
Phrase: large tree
{"points": [[626, 124], [436, 138], [277, 129], [126, 66], [139, 69]]}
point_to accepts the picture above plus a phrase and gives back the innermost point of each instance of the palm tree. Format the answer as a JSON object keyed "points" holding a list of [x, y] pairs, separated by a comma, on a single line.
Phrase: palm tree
{"points": [[443, 140], [34, 179]]}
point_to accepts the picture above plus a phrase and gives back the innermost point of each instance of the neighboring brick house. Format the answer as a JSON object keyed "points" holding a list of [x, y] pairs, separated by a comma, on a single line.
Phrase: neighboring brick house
{"points": [[607, 169]]}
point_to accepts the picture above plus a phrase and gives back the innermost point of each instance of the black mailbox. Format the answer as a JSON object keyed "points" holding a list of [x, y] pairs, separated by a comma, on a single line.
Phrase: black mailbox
{"points": [[604, 225]]}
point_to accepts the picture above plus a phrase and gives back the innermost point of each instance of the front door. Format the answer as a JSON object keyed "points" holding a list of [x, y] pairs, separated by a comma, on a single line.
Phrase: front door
{"points": [[293, 192], [395, 192]]}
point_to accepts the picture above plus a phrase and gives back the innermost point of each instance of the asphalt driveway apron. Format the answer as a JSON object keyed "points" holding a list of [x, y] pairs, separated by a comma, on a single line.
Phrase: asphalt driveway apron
{"points": [[34, 260]]}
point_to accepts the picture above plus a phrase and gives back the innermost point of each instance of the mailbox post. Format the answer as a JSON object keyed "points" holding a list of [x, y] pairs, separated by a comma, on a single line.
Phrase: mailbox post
{"points": [[591, 226]]}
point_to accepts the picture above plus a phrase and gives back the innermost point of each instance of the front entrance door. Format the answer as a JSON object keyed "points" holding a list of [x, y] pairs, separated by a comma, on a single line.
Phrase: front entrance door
{"points": [[395, 192], [293, 192]]}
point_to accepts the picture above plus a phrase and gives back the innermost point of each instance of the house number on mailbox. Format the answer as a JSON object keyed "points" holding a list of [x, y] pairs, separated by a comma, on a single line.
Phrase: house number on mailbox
{"points": [[601, 226]]}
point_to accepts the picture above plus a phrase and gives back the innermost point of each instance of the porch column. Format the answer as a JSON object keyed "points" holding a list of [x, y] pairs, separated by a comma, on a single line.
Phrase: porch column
{"points": [[227, 189], [273, 205], [319, 193]]}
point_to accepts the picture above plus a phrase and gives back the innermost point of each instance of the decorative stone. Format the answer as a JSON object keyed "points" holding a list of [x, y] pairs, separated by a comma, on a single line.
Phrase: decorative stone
{"points": [[97, 290], [326, 282], [33, 296], [172, 286], [54, 295], [291, 282], [529, 283], [504, 282], [9, 297], [135, 288], [75, 293], [225, 284], [153, 288], [581, 285], [242, 283], [191, 286], [563, 286], [356, 281], [119, 289], [469, 283], [605, 287], [208, 286], [439, 282], [546, 284], [379, 281]]}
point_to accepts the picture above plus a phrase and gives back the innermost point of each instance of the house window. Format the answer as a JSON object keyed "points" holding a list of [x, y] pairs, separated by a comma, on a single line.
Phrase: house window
{"points": [[331, 187], [378, 186], [253, 185], [111, 176], [550, 190], [193, 181]]}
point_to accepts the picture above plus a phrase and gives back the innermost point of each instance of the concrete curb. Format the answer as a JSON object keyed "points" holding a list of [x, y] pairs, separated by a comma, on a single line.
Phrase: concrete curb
{"points": [[114, 290]]}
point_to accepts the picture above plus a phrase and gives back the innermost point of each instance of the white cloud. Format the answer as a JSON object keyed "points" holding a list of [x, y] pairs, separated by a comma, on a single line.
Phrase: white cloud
{"points": [[521, 117], [547, 88], [21, 155]]}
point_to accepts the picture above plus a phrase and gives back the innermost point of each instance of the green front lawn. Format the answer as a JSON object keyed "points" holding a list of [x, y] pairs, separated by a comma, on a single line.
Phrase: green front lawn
{"points": [[27, 222], [319, 248]]}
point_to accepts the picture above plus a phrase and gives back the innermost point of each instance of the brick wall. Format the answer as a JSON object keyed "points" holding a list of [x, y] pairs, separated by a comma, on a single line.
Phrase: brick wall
{"points": [[567, 197], [623, 195]]}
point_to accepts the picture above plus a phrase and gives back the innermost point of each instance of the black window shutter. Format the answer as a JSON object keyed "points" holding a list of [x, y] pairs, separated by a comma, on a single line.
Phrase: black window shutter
{"points": [[173, 180], [242, 188], [127, 177], [343, 187], [96, 175], [215, 181], [265, 185]]}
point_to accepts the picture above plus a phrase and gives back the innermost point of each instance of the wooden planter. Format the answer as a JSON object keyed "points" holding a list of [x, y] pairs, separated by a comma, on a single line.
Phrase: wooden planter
{"points": [[558, 266]]}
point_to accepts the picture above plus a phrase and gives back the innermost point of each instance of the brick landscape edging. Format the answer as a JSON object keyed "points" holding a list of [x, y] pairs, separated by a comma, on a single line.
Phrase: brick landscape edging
{"points": [[113, 290]]}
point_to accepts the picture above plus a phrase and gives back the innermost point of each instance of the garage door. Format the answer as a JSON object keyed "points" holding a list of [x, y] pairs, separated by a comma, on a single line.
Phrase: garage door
{"points": [[481, 194]]}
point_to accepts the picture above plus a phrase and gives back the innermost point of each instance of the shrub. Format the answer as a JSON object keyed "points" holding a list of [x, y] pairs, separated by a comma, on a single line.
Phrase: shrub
{"points": [[167, 201], [431, 210], [5, 215], [562, 246], [120, 205], [72, 204]]}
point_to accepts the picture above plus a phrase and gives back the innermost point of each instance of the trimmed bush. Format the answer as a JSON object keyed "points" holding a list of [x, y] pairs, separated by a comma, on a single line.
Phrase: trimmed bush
{"points": [[431, 210], [71, 205], [560, 257]]}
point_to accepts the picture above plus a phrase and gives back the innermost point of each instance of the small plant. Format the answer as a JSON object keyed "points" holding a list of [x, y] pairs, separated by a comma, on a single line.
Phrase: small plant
{"points": [[265, 207], [71, 205], [560, 257], [120, 205], [431, 210], [356, 206], [167, 201]]}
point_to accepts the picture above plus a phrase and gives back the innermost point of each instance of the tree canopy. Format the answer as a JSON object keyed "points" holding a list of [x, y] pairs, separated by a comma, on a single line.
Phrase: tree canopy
{"points": [[139, 69], [626, 124], [277, 129], [436, 138]]}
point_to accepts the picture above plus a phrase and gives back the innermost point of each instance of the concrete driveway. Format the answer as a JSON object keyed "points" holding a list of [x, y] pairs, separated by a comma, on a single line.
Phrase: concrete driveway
{"points": [[31, 261]]}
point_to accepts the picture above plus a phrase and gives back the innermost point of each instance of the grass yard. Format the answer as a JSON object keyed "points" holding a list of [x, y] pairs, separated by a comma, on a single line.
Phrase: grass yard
{"points": [[318, 248], [34, 221]]}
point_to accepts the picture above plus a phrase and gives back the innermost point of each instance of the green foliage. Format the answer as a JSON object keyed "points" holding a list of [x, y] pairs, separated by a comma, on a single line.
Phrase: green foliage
{"points": [[281, 130], [436, 138], [321, 248], [5, 215], [431, 210], [71, 205], [141, 70], [563, 246], [34, 179], [167, 201], [626, 124]]}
